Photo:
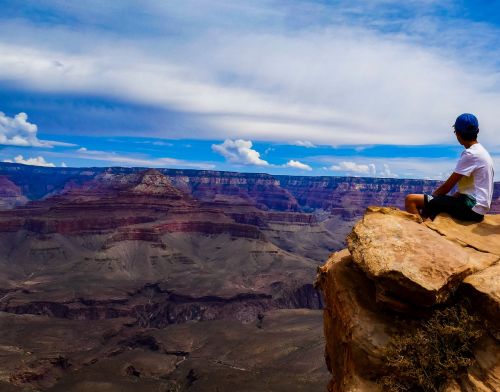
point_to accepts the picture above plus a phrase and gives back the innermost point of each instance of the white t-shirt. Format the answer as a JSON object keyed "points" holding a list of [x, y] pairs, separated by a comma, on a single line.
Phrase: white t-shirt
{"points": [[476, 165]]}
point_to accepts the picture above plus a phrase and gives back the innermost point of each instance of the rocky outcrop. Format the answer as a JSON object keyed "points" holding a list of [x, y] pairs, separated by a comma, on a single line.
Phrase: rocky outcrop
{"points": [[397, 274], [408, 262]]}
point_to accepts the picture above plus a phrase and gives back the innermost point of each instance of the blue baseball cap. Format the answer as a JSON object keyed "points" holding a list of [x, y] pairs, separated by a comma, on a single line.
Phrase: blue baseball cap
{"points": [[466, 124]]}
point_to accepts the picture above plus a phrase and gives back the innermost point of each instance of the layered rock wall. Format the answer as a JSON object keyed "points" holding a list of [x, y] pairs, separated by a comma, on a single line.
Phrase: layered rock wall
{"points": [[80, 253], [346, 197]]}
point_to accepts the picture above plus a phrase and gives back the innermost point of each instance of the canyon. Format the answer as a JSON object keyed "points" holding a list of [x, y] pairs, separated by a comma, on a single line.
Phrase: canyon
{"points": [[115, 278]]}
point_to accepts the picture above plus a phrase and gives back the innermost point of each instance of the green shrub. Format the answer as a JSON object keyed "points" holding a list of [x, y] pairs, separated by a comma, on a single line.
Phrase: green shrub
{"points": [[432, 352]]}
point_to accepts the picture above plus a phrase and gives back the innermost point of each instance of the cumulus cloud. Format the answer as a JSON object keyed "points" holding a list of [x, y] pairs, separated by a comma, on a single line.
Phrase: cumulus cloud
{"points": [[298, 165], [240, 152], [18, 131], [36, 161]]}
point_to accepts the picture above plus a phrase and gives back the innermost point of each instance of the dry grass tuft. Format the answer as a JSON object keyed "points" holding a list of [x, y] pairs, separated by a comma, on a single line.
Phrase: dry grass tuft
{"points": [[437, 350]]}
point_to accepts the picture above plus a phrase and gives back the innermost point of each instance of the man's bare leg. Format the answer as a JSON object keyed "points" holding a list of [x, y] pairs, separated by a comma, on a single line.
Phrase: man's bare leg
{"points": [[414, 203]]}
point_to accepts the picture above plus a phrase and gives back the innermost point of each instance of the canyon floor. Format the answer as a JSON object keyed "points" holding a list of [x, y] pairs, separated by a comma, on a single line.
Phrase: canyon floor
{"points": [[281, 352]]}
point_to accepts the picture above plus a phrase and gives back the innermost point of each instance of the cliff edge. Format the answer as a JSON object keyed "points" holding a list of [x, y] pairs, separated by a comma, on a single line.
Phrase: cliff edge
{"points": [[414, 306]]}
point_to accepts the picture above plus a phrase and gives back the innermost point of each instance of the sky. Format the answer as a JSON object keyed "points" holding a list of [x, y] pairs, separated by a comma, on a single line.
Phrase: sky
{"points": [[305, 87]]}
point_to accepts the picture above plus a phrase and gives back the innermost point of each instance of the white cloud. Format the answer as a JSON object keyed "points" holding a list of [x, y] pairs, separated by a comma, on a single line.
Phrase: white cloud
{"points": [[253, 78], [155, 143], [386, 171], [303, 143], [18, 131], [37, 161], [127, 160], [298, 165], [240, 152], [353, 167], [428, 168], [363, 168], [161, 143], [52, 143]]}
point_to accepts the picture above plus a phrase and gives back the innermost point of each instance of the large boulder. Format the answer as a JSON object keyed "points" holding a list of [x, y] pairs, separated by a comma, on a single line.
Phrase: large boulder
{"points": [[409, 263]]}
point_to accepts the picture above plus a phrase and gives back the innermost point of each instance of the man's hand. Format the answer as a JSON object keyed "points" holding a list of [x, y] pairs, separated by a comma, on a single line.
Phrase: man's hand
{"points": [[448, 185]]}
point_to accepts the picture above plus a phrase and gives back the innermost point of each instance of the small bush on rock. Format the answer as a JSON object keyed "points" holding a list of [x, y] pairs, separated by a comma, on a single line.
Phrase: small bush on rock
{"points": [[437, 350]]}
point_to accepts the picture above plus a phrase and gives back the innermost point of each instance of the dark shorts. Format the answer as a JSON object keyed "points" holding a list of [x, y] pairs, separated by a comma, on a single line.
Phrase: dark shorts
{"points": [[458, 207]]}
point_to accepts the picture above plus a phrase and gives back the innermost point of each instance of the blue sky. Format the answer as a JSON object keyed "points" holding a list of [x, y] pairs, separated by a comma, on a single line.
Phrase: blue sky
{"points": [[368, 88]]}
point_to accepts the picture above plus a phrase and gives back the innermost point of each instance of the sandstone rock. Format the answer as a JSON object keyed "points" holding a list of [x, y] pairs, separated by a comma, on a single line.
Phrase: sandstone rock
{"points": [[485, 373], [408, 262], [479, 236], [394, 254], [355, 332], [483, 288]]}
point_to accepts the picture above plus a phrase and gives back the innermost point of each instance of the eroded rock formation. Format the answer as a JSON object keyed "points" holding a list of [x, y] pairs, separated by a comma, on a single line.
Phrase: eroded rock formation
{"points": [[345, 197], [10, 194], [90, 273], [398, 271], [87, 252]]}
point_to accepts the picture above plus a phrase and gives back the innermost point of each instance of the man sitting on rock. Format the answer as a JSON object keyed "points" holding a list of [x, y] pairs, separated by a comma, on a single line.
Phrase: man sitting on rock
{"points": [[473, 173]]}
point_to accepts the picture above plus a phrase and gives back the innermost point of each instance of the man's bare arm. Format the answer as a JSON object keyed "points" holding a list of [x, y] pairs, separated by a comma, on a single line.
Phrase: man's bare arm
{"points": [[448, 185]]}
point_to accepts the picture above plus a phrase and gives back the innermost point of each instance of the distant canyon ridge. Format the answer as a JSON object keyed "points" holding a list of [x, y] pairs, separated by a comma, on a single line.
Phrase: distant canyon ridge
{"points": [[154, 267], [350, 195]]}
